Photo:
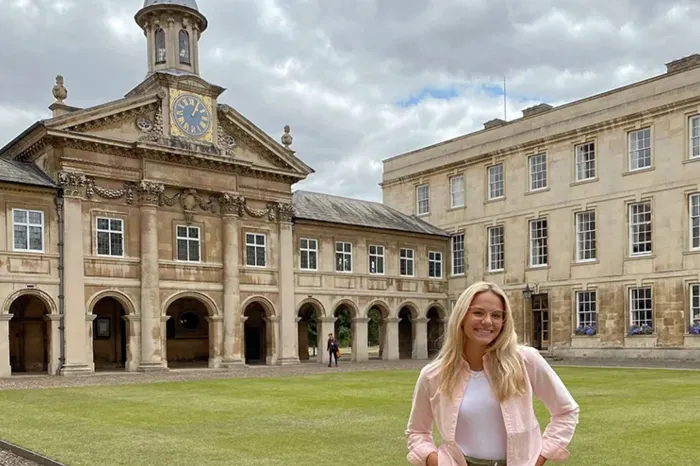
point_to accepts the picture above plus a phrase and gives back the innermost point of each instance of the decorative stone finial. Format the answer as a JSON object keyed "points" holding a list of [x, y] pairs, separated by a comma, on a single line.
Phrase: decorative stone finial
{"points": [[286, 137], [60, 92]]}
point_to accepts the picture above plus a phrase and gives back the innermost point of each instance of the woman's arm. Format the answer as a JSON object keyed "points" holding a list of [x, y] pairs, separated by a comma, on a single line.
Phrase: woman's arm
{"points": [[564, 411], [419, 432]]}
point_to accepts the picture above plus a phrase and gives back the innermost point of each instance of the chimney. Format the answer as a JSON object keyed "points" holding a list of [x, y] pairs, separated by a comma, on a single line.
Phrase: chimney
{"points": [[494, 123], [535, 109], [682, 64]]}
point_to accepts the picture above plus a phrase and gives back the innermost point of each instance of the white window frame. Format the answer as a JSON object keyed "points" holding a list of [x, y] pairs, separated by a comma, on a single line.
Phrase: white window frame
{"points": [[308, 251], [496, 253], [637, 146], [435, 257], [405, 260], [633, 300], [187, 239], [537, 168], [535, 225], [586, 239], [585, 161], [423, 198], [456, 260], [634, 222], [379, 259], [457, 198], [694, 221], [109, 232], [27, 225], [496, 182], [590, 310], [694, 137], [345, 254], [694, 302], [255, 247]]}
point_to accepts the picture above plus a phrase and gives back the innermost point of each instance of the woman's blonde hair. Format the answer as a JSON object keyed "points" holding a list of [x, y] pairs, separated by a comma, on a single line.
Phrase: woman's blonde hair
{"points": [[506, 368]]}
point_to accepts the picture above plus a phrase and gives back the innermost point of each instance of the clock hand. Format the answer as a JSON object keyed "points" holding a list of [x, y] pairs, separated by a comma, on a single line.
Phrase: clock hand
{"points": [[194, 111]]}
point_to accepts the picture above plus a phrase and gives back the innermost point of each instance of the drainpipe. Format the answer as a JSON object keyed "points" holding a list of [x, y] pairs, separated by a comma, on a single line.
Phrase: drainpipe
{"points": [[61, 280]]}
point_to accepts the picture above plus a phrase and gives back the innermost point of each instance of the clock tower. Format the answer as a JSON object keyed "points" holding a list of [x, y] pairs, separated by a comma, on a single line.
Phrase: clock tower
{"points": [[172, 29]]}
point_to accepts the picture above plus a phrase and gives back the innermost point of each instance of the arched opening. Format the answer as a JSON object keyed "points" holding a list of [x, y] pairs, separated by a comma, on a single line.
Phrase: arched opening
{"points": [[29, 335], [160, 45], [184, 47], [344, 331], [406, 333], [436, 328], [376, 332], [187, 333], [109, 334], [308, 332], [255, 332]]}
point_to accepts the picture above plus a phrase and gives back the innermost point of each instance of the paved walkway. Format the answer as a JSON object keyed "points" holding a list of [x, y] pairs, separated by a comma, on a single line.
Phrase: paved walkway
{"points": [[19, 382], [8, 459]]}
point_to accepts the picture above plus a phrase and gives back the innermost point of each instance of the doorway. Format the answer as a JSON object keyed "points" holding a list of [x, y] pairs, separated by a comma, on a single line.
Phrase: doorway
{"points": [[540, 321]]}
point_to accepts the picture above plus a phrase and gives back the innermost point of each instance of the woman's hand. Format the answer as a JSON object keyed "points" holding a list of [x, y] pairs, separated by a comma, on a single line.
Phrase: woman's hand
{"points": [[432, 459], [540, 461]]}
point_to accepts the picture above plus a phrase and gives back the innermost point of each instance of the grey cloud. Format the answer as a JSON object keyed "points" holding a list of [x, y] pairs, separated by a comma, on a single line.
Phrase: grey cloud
{"points": [[367, 53]]}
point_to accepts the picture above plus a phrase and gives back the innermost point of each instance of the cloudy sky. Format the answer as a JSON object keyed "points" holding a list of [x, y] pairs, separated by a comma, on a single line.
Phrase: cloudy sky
{"points": [[358, 80]]}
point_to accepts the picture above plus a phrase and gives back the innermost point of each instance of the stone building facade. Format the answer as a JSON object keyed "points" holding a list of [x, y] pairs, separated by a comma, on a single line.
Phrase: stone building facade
{"points": [[588, 214], [161, 229]]}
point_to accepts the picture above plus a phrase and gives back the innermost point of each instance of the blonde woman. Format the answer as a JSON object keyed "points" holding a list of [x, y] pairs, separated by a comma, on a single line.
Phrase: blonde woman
{"points": [[479, 393]]}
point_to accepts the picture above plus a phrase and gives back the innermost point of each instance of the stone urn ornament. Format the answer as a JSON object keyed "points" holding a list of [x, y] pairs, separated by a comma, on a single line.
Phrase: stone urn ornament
{"points": [[60, 92]]}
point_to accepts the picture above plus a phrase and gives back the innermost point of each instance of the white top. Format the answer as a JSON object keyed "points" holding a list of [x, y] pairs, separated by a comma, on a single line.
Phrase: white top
{"points": [[481, 432]]}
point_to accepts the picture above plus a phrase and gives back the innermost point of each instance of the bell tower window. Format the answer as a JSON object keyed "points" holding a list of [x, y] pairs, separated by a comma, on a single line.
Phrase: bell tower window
{"points": [[160, 46], [185, 47]]}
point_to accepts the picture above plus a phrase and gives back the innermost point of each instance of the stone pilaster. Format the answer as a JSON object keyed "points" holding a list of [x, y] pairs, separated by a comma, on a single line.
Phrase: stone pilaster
{"points": [[216, 327], [54, 322], [5, 369], [273, 330], [231, 205], [420, 340], [133, 342], [151, 335], [288, 352], [359, 341], [327, 326], [89, 319], [74, 319], [391, 349]]}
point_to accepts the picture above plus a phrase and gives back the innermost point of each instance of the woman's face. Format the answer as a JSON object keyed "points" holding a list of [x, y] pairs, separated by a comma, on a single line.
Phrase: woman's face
{"points": [[484, 319]]}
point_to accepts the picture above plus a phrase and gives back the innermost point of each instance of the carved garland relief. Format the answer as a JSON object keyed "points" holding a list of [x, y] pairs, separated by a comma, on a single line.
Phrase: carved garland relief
{"points": [[153, 193]]}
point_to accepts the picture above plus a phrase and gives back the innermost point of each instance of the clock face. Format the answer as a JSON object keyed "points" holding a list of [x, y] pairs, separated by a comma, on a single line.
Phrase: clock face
{"points": [[191, 115]]}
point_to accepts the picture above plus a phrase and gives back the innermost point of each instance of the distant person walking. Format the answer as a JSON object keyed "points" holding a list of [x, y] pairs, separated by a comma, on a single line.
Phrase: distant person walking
{"points": [[332, 348]]}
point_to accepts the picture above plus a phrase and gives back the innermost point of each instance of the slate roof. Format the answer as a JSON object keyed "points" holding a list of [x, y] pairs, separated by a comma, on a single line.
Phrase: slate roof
{"points": [[12, 171], [345, 211]]}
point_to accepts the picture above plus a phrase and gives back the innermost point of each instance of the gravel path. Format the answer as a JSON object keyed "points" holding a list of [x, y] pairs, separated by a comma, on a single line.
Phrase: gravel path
{"points": [[8, 459], [20, 382]]}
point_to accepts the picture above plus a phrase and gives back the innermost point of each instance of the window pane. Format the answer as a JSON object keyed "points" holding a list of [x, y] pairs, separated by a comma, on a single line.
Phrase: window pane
{"points": [[20, 216], [115, 224], [250, 255], [35, 218], [260, 240], [102, 242], [304, 259], [182, 249], [102, 223], [116, 244], [312, 260], [20, 237], [194, 250], [194, 232], [35, 238], [182, 232], [260, 256]]}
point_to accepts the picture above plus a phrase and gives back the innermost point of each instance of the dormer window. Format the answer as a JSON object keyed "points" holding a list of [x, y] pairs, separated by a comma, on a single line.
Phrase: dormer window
{"points": [[184, 47], [160, 46]]}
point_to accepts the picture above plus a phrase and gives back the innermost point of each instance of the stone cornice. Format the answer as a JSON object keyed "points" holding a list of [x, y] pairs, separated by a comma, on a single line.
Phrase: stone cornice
{"points": [[539, 143], [149, 192]]}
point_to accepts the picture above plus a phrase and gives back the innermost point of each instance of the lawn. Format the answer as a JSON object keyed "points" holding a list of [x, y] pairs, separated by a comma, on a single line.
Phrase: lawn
{"points": [[628, 417]]}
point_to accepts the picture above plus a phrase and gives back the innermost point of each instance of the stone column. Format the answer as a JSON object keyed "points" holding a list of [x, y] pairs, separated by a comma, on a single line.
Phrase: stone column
{"points": [[327, 326], [272, 351], [360, 352], [133, 343], [391, 349], [5, 369], [216, 327], [240, 341], [420, 338], [54, 321], [74, 319], [288, 353], [151, 333], [89, 319], [231, 205], [164, 342]]}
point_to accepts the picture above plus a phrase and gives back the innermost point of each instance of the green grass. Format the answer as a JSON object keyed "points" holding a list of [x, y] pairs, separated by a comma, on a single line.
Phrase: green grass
{"points": [[628, 417]]}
